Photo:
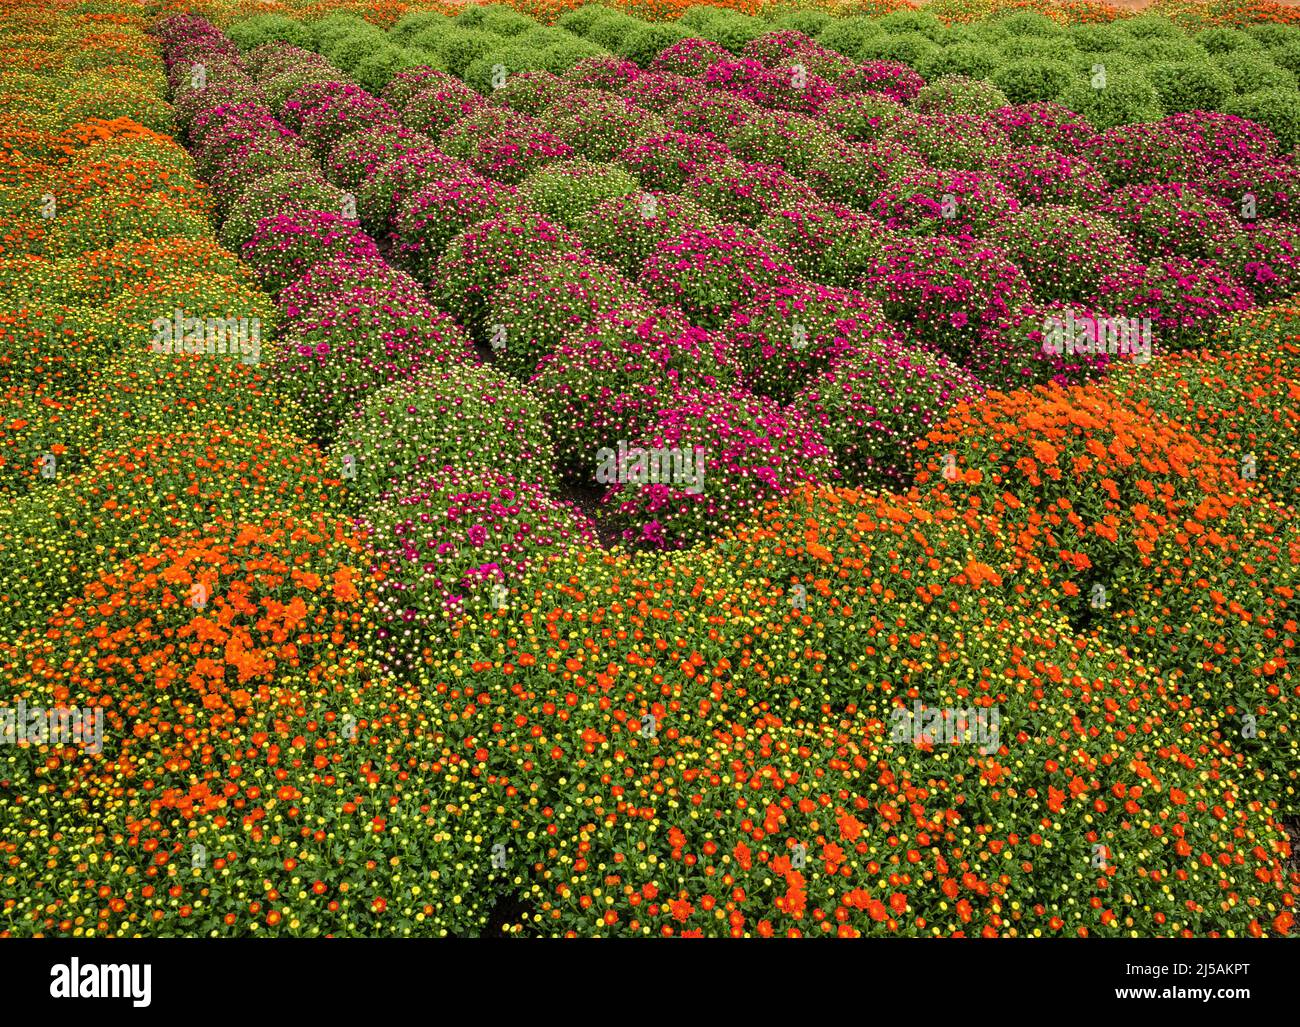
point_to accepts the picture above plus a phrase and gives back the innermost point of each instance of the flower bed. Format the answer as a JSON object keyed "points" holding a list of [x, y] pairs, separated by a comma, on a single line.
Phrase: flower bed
{"points": [[666, 406]]}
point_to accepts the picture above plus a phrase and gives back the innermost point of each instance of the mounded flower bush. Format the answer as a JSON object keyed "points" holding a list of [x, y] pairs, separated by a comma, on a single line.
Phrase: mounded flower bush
{"points": [[740, 193], [957, 141], [945, 203], [1044, 124], [945, 291], [864, 117], [889, 78], [360, 340], [1125, 97], [1273, 108], [483, 256], [1062, 251], [566, 191], [752, 450], [438, 212], [1184, 299], [872, 404], [458, 542], [1170, 220], [1042, 175], [1265, 258], [388, 188], [826, 243], [503, 145], [625, 231], [1146, 152], [666, 160], [467, 417], [856, 174], [606, 379], [783, 336], [284, 246], [440, 106], [275, 194], [957, 94], [138, 491], [535, 309], [709, 272], [599, 125]]}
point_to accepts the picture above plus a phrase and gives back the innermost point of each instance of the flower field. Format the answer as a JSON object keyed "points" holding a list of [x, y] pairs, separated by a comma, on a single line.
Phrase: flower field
{"points": [[649, 469]]}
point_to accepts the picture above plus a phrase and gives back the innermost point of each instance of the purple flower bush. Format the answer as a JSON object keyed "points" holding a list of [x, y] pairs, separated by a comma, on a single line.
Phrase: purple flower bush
{"points": [[1218, 139], [403, 87], [484, 255], [733, 451], [624, 231], [775, 48], [856, 174], [1063, 251], [783, 336], [1143, 152], [874, 403], [714, 114], [742, 193], [1042, 175], [356, 156], [791, 141], [944, 291], [361, 340], [1171, 219], [889, 78], [458, 543], [610, 74], [790, 89], [606, 379], [660, 90], [1259, 189], [278, 193], [503, 145], [1020, 351], [956, 141], [689, 57], [244, 163], [1265, 258], [326, 280], [826, 243], [441, 105], [341, 114], [708, 272], [1183, 298], [442, 209], [599, 125], [944, 203], [534, 310], [864, 117], [665, 160], [283, 246], [1043, 124], [388, 188]]}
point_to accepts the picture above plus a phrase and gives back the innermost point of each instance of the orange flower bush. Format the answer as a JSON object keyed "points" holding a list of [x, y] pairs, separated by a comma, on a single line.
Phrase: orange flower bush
{"points": [[223, 660], [691, 752], [136, 492]]}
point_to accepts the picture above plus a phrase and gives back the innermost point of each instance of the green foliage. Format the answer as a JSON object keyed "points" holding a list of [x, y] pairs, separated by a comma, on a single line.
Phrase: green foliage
{"points": [[1276, 109]]}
